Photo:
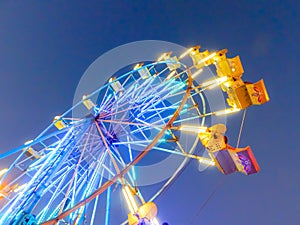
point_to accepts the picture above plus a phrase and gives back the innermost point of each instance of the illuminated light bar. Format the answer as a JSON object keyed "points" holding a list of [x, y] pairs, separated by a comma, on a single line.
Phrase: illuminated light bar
{"points": [[28, 142], [165, 55], [139, 65], [127, 201], [207, 58], [206, 161], [131, 203], [185, 53], [195, 129], [171, 75], [226, 111], [3, 171], [128, 191], [19, 188], [155, 221], [197, 73], [3, 195], [214, 83], [87, 102]]}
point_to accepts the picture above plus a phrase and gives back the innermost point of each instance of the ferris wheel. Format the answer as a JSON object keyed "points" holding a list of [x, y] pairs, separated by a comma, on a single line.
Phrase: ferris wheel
{"points": [[154, 111]]}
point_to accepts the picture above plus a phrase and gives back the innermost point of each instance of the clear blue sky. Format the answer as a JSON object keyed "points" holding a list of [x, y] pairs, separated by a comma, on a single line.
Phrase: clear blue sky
{"points": [[45, 47]]}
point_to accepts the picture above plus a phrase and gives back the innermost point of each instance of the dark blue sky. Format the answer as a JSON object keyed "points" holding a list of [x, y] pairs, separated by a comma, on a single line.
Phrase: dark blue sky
{"points": [[45, 47]]}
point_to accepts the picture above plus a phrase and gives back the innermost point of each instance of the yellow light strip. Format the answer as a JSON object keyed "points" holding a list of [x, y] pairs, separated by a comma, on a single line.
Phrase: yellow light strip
{"points": [[197, 73], [131, 198], [195, 129], [139, 65], [3, 171], [185, 53], [207, 58], [162, 56], [214, 83], [206, 161], [131, 203], [19, 188], [171, 75], [226, 111], [28, 142], [127, 201], [56, 118], [155, 221]]}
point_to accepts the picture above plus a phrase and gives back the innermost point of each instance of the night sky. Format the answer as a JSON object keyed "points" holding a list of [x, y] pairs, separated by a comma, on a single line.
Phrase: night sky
{"points": [[46, 46]]}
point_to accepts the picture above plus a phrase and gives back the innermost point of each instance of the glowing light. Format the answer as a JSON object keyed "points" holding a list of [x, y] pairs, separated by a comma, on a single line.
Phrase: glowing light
{"points": [[226, 111], [197, 73], [185, 53], [207, 58], [19, 188], [131, 203], [155, 221], [139, 65], [206, 161], [171, 75], [28, 142], [3, 171], [195, 129], [56, 118], [214, 83], [163, 56]]}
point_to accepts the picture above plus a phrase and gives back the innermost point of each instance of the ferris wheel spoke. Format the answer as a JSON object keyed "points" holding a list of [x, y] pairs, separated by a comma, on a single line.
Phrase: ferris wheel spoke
{"points": [[143, 90], [126, 123], [107, 148], [161, 99], [55, 212], [146, 103], [57, 178], [117, 158], [166, 150], [165, 85], [109, 100], [96, 200], [154, 91], [157, 113], [145, 85], [106, 97], [64, 183], [162, 109], [139, 88], [127, 95], [25, 194], [130, 76], [181, 120], [130, 156], [57, 192], [128, 142]]}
